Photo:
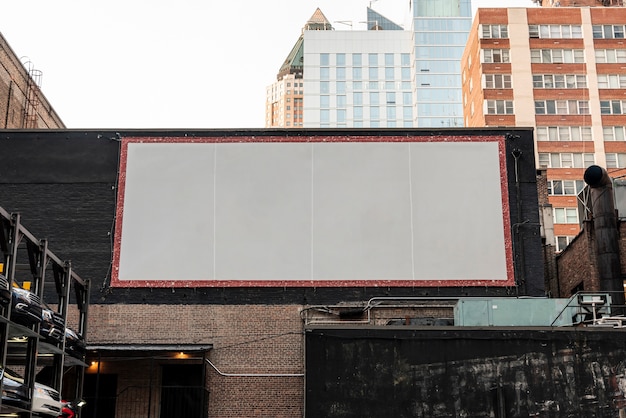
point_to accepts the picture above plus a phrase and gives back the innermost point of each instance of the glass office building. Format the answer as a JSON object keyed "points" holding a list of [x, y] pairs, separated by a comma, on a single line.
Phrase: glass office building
{"points": [[440, 30], [384, 76]]}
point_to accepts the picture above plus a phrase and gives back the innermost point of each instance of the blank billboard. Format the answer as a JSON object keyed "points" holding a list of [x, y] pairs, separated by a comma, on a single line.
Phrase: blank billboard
{"points": [[313, 211]]}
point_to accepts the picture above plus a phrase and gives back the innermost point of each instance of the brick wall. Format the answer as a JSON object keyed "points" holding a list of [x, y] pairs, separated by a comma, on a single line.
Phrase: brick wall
{"points": [[13, 91]]}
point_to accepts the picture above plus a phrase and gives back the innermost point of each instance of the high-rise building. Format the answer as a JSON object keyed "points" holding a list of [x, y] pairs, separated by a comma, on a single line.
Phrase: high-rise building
{"points": [[283, 102], [440, 30], [563, 74], [384, 76]]}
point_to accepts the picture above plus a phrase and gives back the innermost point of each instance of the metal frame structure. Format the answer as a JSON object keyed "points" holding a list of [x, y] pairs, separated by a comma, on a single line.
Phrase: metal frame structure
{"points": [[22, 252]]}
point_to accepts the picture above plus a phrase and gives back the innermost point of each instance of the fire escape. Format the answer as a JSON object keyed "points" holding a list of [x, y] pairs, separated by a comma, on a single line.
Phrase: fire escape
{"points": [[29, 117]]}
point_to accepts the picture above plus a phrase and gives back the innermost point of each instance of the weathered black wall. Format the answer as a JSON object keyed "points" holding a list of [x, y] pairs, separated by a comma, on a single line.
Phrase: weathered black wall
{"points": [[63, 183], [456, 372]]}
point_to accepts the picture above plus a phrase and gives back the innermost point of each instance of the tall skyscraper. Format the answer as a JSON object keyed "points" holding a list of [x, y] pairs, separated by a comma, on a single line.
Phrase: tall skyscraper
{"points": [[440, 29], [563, 74], [385, 76]]}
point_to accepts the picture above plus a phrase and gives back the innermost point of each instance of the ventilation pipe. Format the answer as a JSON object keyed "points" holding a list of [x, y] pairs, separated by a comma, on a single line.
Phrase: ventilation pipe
{"points": [[606, 234]]}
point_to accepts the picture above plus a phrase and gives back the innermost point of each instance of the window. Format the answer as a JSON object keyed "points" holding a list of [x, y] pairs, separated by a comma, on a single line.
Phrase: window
{"points": [[374, 98], [391, 98], [357, 73], [565, 187], [563, 133], [374, 113], [373, 73], [341, 100], [389, 59], [324, 59], [610, 55], [324, 87], [357, 112], [341, 87], [565, 160], [608, 31], [407, 113], [324, 73], [495, 55], [389, 73], [612, 107], [614, 133], [324, 115], [341, 115], [561, 107], [562, 242], [499, 107], [407, 98], [405, 73], [555, 31], [357, 98], [614, 160], [372, 59], [341, 60], [565, 215], [611, 81], [557, 56], [495, 31], [559, 81], [498, 81], [341, 73], [357, 60], [405, 60], [391, 113]]}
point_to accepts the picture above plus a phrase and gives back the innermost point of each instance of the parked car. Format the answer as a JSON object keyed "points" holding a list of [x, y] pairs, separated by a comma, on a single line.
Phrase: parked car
{"points": [[52, 325], [14, 392], [74, 344], [46, 400], [5, 291], [26, 307]]}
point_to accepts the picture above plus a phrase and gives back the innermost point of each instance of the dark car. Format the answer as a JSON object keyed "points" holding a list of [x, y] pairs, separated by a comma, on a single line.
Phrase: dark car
{"points": [[5, 291], [52, 325], [26, 308], [14, 392], [74, 344]]}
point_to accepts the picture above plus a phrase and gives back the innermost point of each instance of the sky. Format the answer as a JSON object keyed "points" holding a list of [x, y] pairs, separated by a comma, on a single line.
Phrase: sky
{"points": [[159, 64]]}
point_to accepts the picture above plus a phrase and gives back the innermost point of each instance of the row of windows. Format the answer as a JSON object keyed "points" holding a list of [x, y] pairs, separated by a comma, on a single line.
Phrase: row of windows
{"points": [[374, 99], [556, 56], [341, 115], [565, 187], [613, 107], [559, 81], [372, 59], [578, 133], [563, 133], [608, 31], [373, 73], [565, 160], [342, 86], [561, 107], [555, 31], [612, 81], [615, 160]]}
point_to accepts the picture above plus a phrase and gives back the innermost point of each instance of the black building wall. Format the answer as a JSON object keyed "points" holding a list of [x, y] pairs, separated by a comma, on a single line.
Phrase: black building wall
{"points": [[64, 185], [456, 372]]}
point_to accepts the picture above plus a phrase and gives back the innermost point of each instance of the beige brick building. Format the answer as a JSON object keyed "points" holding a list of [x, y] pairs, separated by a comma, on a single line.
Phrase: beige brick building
{"points": [[561, 73]]}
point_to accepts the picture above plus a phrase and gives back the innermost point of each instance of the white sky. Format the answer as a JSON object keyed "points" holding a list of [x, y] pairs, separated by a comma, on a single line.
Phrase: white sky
{"points": [[170, 64]]}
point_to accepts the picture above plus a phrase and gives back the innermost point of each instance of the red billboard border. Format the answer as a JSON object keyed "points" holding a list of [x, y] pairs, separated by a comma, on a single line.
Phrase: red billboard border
{"points": [[499, 139]]}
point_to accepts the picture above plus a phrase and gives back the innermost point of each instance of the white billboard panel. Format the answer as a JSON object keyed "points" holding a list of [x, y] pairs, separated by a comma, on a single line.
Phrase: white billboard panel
{"points": [[313, 211]]}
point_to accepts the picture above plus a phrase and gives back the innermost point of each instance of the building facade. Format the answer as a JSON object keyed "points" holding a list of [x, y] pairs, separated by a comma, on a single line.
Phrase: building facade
{"points": [[22, 104], [385, 76], [561, 73]]}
